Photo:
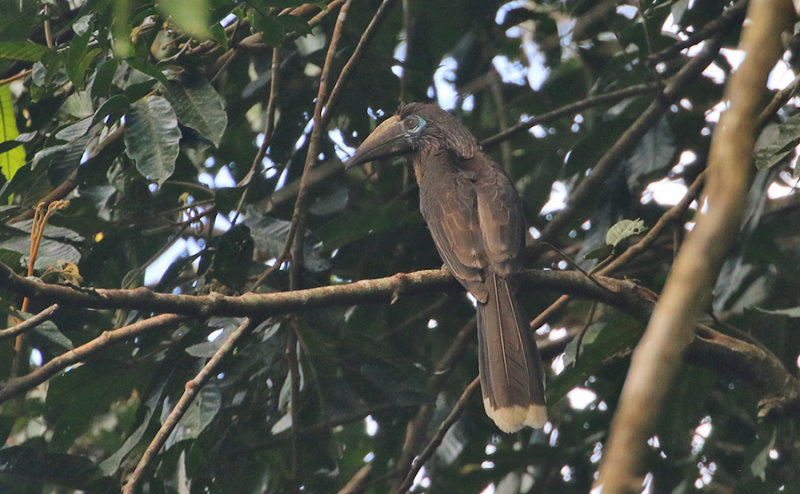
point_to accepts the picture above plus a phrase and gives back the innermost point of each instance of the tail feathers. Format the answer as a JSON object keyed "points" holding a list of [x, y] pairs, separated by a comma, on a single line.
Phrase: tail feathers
{"points": [[510, 367]]}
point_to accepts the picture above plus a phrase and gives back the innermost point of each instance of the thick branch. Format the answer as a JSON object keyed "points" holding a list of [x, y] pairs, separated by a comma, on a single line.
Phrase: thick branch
{"points": [[688, 288], [766, 371], [270, 304]]}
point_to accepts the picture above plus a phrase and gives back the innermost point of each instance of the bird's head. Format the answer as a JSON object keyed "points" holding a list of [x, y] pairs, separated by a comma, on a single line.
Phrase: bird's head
{"points": [[416, 127]]}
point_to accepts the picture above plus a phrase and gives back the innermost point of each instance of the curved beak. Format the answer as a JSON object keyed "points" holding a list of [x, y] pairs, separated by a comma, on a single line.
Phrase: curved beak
{"points": [[388, 139]]}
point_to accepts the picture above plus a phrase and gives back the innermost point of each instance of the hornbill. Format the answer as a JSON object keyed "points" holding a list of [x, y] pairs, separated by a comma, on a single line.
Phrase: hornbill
{"points": [[477, 223]]}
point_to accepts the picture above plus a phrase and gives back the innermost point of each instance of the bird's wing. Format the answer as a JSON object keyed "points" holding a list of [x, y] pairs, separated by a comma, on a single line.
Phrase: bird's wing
{"points": [[449, 203], [501, 218]]}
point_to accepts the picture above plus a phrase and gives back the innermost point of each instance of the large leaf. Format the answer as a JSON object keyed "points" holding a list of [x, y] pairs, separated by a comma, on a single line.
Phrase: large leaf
{"points": [[24, 51], [84, 394], [152, 137], [653, 154], [75, 472], [777, 142], [57, 244], [198, 105], [352, 226], [50, 331], [269, 235], [617, 336], [200, 413], [11, 160]]}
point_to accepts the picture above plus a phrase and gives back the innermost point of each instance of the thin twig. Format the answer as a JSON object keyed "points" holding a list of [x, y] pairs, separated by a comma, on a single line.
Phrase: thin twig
{"points": [[18, 385], [29, 323], [295, 240], [18, 75], [247, 181], [193, 387], [268, 126], [673, 214], [688, 289], [733, 15], [296, 235], [572, 108], [331, 7], [418, 426], [583, 330], [434, 443], [361, 47], [48, 37], [631, 137]]}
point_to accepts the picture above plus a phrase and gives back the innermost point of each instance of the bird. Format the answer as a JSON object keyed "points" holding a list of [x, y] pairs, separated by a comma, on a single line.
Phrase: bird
{"points": [[476, 219]]}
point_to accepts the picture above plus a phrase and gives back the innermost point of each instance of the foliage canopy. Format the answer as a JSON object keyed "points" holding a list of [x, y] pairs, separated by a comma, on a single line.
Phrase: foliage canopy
{"points": [[165, 123]]}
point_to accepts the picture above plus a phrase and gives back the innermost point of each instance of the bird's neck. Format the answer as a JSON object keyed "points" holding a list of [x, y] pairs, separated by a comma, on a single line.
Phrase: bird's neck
{"points": [[427, 158]]}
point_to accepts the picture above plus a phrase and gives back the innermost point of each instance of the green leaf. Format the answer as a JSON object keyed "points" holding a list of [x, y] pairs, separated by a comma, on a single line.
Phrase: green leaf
{"points": [[11, 160], [776, 143], [22, 50], [199, 414], [75, 472], [49, 330], [79, 105], [207, 349], [600, 252], [77, 59], [21, 139], [623, 230], [617, 335], [198, 105], [10, 258], [352, 226], [269, 235], [74, 131], [152, 137], [147, 68], [653, 153], [86, 393], [51, 249], [190, 15], [274, 28], [115, 105], [103, 77], [333, 202], [219, 35]]}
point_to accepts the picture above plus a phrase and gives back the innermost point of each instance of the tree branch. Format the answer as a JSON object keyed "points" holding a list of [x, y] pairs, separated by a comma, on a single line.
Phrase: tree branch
{"points": [[21, 384], [733, 15], [688, 288], [625, 295], [434, 443], [190, 393], [379, 290], [29, 323], [631, 137], [566, 110]]}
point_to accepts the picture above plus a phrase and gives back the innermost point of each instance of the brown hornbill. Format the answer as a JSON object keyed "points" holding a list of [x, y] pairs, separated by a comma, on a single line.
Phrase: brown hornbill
{"points": [[477, 223]]}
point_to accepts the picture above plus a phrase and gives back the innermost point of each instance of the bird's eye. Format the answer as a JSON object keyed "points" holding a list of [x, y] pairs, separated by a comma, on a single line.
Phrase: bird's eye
{"points": [[413, 123]]}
